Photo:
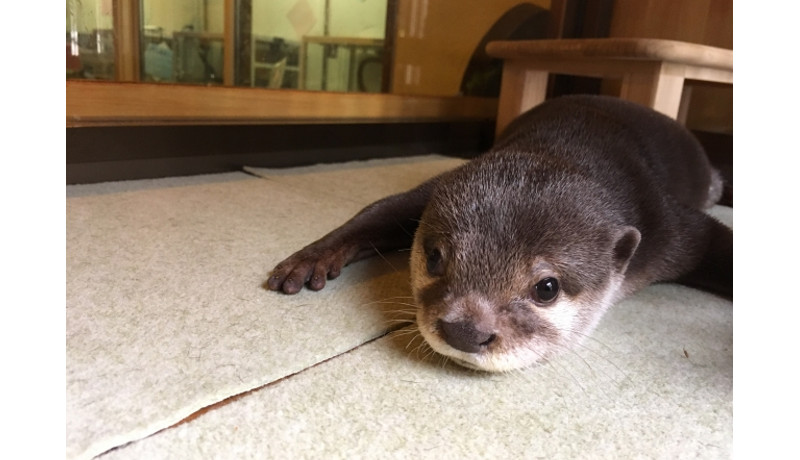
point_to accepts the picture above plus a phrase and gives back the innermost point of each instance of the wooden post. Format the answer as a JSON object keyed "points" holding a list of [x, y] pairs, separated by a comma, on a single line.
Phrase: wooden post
{"points": [[127, 49], [229, 45], [659, 88], [521, 89]]}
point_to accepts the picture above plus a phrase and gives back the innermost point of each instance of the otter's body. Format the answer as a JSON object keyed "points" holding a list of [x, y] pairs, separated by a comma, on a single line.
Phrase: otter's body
{"points": [[517, 254]]}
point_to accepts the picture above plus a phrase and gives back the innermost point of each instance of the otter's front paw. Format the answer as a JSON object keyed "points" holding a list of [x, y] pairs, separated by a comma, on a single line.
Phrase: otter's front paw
{"points": [[311, 266]]}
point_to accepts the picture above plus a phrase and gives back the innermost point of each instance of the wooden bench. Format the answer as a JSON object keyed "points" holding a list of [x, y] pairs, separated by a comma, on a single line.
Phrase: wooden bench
{"points": [[652, 71]]}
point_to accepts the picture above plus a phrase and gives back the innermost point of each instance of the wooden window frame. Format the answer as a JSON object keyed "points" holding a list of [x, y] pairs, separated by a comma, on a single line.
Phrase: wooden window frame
{"points": [[128, 101], [96, 103]]}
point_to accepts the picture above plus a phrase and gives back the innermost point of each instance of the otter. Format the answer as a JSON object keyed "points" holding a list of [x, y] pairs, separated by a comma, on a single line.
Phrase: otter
{"points": [[517, 254]]}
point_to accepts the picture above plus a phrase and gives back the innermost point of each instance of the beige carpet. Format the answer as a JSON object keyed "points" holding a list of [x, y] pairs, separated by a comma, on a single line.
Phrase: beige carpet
{"points": [[166, 315]]}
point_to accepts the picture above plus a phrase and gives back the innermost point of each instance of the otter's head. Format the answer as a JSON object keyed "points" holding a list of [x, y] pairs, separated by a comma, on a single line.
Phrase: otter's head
{"points": [[511, 267]]}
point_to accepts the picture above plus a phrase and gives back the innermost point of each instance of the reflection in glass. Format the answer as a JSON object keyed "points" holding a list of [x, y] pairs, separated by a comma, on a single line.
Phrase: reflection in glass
{"points": [[331, 45], [90, 39], [405, 47], [341, 64], [182, 41]]}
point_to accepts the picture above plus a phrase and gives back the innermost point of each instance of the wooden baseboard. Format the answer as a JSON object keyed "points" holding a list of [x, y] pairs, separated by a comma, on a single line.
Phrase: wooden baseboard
{"points": [[102, 154]]}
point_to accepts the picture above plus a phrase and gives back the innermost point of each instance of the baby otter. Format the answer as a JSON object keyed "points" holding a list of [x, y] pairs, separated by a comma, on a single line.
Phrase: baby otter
{"points": [[517, 254]]}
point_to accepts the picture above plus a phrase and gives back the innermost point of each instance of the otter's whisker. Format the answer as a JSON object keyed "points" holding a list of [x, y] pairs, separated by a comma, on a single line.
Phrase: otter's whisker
{"points": [[416, 336], [568, 349], [394, 269], [400, 319], [555, 362], [404, 332], [422, 347], [598, 354], [390, 301], [430, 352]]}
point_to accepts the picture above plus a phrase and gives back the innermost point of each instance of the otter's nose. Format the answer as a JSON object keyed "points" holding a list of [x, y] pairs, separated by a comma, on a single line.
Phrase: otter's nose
{"points": [[464, 336]]}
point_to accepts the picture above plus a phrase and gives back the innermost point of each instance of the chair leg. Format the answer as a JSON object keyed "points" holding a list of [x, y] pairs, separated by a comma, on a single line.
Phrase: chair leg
{"points": [[683, 110], [521, 89], [659, 87]]}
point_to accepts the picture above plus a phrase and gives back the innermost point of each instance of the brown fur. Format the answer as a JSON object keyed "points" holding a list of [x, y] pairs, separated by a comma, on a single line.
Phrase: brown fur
{"points": [[603, 195]]}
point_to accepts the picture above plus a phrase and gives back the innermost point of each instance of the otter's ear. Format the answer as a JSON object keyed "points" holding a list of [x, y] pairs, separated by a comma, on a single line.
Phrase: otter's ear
{"points": [[625, 244]]}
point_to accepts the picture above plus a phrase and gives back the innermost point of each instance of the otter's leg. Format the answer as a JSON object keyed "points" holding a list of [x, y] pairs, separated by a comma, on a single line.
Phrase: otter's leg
{"points": [[713, 270], [385, 225]]}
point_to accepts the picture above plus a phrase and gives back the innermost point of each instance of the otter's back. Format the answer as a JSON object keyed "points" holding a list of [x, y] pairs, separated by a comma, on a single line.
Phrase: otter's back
{"points": [[618, 140]]}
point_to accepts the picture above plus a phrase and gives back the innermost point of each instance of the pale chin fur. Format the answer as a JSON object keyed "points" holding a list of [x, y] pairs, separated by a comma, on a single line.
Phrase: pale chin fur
{"points": [[515, 359], [564, 317]]}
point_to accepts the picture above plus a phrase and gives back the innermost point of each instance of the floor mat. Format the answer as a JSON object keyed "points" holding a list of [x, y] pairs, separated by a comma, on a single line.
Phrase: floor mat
{"points": [[654, 381], [165, 309], [166, 315]]}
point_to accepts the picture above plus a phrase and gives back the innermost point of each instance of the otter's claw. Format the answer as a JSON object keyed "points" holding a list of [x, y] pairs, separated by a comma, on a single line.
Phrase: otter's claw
{"points": [[311, 267]]}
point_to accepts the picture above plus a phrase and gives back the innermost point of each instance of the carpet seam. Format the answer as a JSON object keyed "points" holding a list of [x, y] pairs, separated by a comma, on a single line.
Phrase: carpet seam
{"points": [[235, 397]]}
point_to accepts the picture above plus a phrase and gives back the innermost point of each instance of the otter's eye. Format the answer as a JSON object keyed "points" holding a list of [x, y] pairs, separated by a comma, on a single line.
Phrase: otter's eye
{"points": [[435, 265], [545, 291]]}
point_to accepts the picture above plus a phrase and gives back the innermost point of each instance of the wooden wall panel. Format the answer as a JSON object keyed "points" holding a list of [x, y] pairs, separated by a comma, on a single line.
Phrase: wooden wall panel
{"points": [[708, 22], [435, 40]]}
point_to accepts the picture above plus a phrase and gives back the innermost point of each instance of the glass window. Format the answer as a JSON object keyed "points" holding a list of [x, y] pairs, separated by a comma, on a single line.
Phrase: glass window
{"points": [[90, 39], [331, 45], [407, 47], [183, 41]]}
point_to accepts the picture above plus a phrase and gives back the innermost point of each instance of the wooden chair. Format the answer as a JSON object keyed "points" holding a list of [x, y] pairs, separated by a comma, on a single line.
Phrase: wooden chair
{"points": [[653, 72]]}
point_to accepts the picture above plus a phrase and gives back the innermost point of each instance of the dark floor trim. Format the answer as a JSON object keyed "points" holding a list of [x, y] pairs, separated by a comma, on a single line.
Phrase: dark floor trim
{"points": [[125, 153]]}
